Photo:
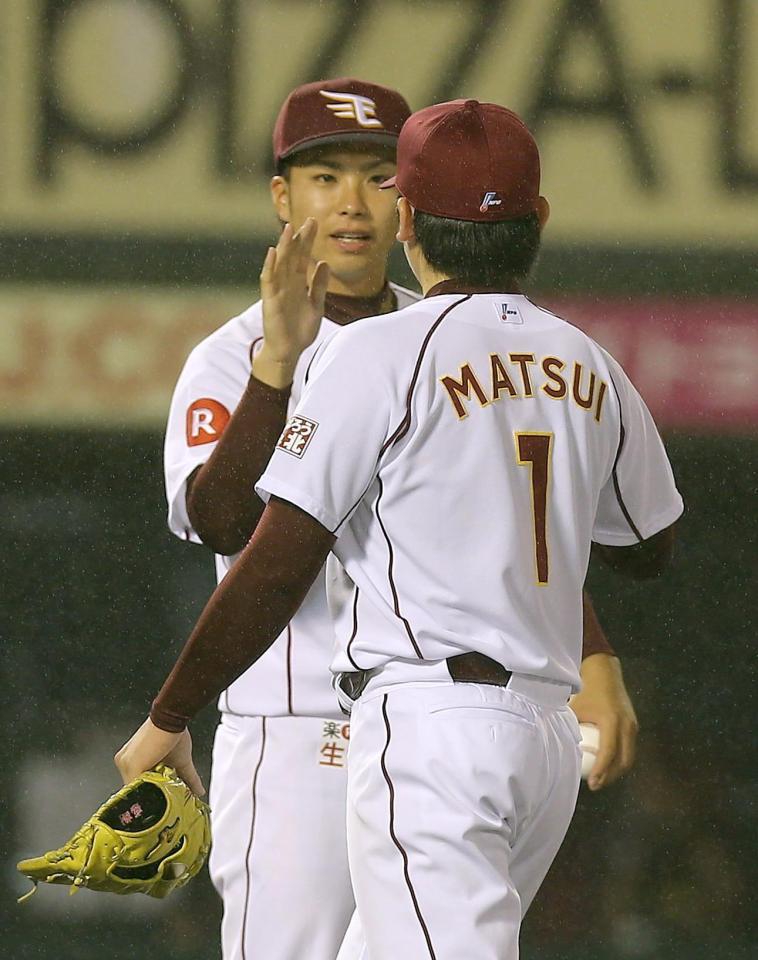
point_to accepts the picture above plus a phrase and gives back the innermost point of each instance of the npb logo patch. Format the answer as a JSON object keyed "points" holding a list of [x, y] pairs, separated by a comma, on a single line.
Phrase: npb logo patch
{"points": [[296, 436], [206, 420], [491, 199], [352, 106], [509, 313]]}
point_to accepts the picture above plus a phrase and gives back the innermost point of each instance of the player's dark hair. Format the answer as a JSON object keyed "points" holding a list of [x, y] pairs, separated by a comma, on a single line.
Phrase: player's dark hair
{"points": [[479, 254]]}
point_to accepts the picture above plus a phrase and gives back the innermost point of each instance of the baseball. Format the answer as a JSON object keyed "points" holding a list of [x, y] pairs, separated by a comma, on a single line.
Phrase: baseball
{"points": [[589, 745]]}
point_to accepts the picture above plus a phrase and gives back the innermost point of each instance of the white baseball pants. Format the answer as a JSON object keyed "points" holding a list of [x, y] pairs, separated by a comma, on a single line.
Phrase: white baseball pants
{"points": [[459, 796], [279, 856]]}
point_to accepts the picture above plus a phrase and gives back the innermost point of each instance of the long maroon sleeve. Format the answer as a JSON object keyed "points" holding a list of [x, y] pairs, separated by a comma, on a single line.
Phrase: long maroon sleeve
{"points": [[246, 613], [221, 499], [594, 639]]}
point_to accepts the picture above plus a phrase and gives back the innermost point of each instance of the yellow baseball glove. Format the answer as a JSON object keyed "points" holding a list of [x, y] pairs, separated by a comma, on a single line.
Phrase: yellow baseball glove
{"points": [[150, 837]]}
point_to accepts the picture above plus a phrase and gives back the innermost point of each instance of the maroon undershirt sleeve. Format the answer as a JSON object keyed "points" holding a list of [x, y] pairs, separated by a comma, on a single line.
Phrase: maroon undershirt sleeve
{"points": [[221, 501], [594, 639], [246, 613]]}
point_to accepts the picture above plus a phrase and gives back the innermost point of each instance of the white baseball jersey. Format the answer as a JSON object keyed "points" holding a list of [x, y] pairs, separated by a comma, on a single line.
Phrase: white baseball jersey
{"points": [[466, 452], [292, 677]]}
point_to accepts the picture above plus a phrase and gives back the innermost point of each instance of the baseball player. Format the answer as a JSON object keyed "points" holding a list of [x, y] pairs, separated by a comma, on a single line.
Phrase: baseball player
{"points": [[278, 780], [281, 736]]}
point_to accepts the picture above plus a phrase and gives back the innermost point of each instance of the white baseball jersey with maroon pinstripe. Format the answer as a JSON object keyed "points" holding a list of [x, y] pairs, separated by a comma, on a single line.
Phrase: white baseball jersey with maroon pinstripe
{"points": [[292, 677], [466, 452]]}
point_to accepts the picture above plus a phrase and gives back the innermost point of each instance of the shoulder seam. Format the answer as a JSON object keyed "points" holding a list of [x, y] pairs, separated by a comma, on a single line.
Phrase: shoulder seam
{"points": [[568, 323]]}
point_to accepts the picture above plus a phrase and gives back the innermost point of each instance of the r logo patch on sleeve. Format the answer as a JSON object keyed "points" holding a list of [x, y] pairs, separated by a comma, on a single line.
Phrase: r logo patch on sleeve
{"points": [[296, 436], [206, 420]]}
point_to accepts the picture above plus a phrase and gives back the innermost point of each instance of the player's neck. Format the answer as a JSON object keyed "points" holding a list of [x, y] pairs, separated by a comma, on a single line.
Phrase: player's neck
{"points": [[367, 286], [427, 276], [423, 271], [433, 281], [344, 309]]}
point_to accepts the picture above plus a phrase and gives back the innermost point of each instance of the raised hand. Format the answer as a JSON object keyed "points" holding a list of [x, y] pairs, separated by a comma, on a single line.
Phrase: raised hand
{"points": [[293, 305]]}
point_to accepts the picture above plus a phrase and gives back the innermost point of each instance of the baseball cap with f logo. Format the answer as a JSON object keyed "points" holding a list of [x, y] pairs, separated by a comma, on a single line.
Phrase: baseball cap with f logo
{"points": [[466, 160], [334, 111]]}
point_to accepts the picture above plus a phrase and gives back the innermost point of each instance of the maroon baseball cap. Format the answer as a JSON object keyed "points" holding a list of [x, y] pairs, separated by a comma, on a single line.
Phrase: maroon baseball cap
{"points": [[332, 111], [468, 161]]}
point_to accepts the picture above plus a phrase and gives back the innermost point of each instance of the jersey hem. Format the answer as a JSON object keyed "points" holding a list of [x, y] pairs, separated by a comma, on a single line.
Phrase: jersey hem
{"points": [[335, 714]]}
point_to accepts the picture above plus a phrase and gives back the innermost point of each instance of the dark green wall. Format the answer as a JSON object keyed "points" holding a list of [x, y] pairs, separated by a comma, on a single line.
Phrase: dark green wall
{"points": [[582, 270], [97, 598]]}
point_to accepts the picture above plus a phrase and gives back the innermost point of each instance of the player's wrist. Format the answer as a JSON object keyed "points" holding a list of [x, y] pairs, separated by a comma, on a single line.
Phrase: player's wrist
{"points": [[275, 370], [165, 721]]}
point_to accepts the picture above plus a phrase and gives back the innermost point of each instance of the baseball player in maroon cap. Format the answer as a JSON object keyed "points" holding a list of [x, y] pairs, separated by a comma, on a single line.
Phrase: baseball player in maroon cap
{"points": [[278, 781], [279, 773]]}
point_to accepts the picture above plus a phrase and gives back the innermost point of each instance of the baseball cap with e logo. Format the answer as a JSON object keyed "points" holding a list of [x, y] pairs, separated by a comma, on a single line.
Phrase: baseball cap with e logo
{"points": [[334, 111]]}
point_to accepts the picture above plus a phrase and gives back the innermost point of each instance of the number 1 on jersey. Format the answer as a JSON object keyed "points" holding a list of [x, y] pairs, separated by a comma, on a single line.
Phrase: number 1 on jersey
{"points": [[534, 450]]}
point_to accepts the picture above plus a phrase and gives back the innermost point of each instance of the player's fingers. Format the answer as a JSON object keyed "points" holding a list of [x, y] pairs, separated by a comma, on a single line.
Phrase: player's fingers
{"points": [[626, 742], [191, 777], [319, 283], [180, 758], [602, 769], [284, 246], [628, 745], [267, 271], [291, 258], [302, 244], [305, 238]]}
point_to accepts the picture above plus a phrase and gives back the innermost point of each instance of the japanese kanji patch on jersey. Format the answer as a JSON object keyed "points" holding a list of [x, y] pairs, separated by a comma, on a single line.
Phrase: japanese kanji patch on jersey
{"points": [[334, 740], [206, 420], [296, 436]]}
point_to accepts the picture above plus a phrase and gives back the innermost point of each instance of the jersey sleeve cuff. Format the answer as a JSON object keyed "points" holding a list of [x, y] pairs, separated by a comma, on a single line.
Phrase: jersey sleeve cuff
{"points": [[617, 538], [178, 519], [270, 487], [166, 720]]}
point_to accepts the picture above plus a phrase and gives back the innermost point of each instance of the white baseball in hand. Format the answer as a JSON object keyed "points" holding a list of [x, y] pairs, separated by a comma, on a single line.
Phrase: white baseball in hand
{"points": [[590, 743]]}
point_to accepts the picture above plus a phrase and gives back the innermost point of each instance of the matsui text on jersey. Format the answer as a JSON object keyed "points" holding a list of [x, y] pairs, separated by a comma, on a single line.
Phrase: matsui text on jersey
{"points": [[523, 376]]}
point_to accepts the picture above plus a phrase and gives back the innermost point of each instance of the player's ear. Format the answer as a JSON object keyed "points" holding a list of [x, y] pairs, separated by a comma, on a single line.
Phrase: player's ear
{"points": [[280, 197], [405, 232], [543, 212]]}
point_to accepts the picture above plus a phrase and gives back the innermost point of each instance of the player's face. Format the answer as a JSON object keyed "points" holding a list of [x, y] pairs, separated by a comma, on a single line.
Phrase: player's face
{"points": [[356, 220]]}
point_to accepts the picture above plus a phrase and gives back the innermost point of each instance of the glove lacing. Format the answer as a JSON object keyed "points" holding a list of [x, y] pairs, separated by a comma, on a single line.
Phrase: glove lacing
{"points": [[85, 834]]}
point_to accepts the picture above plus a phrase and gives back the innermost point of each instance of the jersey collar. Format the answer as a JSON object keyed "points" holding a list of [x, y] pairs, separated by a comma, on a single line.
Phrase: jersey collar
{"points": [[446, 287], [342, 309]]}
